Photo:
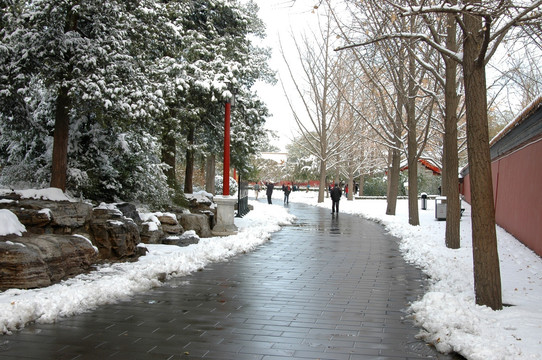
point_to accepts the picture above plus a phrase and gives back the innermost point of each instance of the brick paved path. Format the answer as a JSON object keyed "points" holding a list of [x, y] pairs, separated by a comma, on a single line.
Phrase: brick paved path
{"points": [[324, 288]]}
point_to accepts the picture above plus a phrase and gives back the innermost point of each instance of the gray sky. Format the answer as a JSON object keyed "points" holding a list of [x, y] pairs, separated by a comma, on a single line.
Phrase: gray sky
{"points": [[282, 20]]}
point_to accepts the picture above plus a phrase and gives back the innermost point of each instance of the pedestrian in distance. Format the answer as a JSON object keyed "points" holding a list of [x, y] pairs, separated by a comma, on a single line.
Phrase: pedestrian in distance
{"points": [[257, 190], [335, 194], [287, 190], [269, 191]]}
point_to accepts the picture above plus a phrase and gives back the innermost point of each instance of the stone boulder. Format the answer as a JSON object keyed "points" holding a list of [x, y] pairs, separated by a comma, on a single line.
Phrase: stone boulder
{"points": [[115, 235], [21, 267], [197, 222], [170, 224], [187, 238], [129, 210], [50, 217], [151, 233], [158, 226], [33, 261], [202, 203]]}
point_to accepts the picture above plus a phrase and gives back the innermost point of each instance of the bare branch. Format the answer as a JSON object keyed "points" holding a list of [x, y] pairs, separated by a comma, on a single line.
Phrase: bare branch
{"points": [[455, 56]]}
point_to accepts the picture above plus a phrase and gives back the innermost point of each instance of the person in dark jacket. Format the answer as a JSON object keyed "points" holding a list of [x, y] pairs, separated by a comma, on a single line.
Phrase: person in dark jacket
{"points": [[269, 191], [336, 194], [287, 191]]}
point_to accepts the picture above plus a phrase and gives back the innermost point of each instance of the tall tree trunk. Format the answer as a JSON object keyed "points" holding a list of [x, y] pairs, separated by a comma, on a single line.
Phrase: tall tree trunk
{"points": [[412, 146], [450, 174], [394, 171], [361, 184], [323, 184], [393, 181], [350, 184], [61, 134], [60, 140], [487, 280], [413, 214], [168, 157], [189, 170], [210, 173]]}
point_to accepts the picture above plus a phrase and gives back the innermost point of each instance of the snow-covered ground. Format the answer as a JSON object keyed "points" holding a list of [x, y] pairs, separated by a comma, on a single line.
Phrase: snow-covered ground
{"points": [[115, 282], [447, 312]]}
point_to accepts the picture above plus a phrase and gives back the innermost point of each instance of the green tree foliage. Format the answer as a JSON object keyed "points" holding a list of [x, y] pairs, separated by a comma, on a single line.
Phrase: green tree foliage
{"points": [[128, 75]]}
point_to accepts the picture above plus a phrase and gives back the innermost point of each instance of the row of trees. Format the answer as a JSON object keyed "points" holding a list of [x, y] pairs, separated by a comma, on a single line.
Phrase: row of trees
{"points": [[391, 80], [107, 98]]}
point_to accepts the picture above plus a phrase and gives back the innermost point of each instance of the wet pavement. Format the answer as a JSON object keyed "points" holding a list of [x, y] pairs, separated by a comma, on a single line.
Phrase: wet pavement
{"points": [[326, 287]]}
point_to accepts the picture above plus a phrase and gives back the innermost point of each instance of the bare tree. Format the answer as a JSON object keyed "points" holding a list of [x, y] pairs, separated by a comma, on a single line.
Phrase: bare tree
{"points": [[317, 121], [437, 26], [394, 72], [484, 26], [350, 156], [378, 68], [521, 81]]}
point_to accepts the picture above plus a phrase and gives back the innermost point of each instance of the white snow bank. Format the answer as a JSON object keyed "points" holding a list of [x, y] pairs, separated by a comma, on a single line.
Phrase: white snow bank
{"points": [[447, 313], [115, 282]]}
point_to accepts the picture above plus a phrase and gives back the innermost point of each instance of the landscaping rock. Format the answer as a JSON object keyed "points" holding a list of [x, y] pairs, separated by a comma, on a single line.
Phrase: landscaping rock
{"points": [[197, 222], [187, 238], [130, 211], [115, 235], [50, 250], [44, 216], [34, 261]]}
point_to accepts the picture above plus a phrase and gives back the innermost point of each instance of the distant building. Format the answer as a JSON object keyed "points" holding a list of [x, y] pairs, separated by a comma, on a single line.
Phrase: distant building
{"points": [[425, 164], [516, 164]]}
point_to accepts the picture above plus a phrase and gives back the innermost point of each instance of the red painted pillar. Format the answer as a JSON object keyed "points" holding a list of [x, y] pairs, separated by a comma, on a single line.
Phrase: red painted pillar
{"points": [[226, 179]]}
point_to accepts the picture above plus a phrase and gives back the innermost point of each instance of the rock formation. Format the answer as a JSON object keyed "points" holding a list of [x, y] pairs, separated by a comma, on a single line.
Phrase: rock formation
{"points": [[65, 238], [33, 260]]}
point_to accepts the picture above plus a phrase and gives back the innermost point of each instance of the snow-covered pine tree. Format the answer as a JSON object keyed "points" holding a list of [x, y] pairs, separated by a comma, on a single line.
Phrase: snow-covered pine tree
{"points": [[125, 80], [218, 48], [68, 66]]}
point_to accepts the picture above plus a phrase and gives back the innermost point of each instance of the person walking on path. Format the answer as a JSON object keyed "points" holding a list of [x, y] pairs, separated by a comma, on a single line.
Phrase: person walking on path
{"points": [[287, 191], [257, 190], [269, 191], [336, 194]]}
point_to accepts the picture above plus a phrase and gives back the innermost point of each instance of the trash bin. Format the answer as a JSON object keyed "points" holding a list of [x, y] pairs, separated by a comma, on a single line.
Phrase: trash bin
{"points": [[440, 207], [424, 201]]}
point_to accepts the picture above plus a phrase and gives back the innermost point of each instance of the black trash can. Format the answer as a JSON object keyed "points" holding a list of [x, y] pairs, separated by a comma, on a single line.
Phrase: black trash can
{"points": [[424, 201]]}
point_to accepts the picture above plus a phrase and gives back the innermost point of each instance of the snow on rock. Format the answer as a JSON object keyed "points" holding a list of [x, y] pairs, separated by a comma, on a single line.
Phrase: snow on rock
{"points": [[201, 197], [53, 194], [188, 234], [10, 224], [118, 281], [110, 207], [151, 220], [47, 213]]}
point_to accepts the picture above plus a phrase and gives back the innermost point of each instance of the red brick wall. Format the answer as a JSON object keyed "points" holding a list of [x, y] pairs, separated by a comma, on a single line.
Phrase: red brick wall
{"points": [[517, 189]]}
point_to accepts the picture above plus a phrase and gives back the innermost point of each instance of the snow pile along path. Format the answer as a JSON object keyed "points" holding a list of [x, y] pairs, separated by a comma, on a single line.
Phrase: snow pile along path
{"points": [[447, 313], [119, 281]]}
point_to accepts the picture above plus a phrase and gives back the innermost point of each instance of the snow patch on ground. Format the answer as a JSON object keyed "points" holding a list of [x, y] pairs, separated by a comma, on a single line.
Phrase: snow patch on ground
{"points": [[115, 282], [447, 313]]}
